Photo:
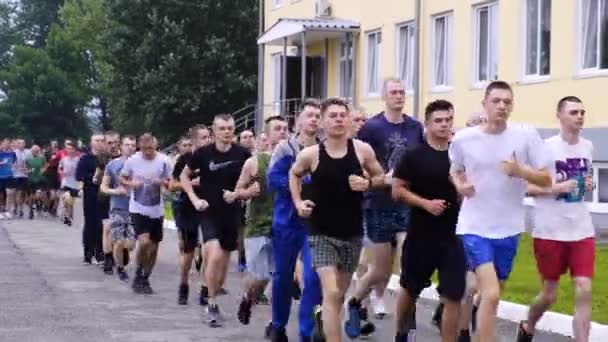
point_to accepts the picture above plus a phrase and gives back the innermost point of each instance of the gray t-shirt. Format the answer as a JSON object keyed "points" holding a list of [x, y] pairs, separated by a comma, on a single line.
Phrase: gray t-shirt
{"points": [[147, 200], [19, 168], [68, 166], [113, 169]]}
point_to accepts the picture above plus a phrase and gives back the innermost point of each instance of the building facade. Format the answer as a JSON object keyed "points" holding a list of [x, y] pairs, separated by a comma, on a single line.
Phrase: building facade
{"points": [[545, 49]]}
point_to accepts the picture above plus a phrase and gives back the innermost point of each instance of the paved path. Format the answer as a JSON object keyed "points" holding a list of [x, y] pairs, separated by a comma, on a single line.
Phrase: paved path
{"points": [[47, 295]]}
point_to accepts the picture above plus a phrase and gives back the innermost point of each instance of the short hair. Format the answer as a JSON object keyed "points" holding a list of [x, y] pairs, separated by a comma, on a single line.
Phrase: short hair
{"points": [[309, 102], [223, 116], [69, 143], [193, 131], [331, 101], [129, 137], [387, 81], [561, 103], [437, 105], [146, 138], [246, 130], [112, 134], [274, 118], [498, 85]]}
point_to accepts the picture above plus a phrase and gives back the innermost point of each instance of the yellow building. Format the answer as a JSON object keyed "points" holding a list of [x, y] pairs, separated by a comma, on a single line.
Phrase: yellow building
{"points": [[545, 49]]}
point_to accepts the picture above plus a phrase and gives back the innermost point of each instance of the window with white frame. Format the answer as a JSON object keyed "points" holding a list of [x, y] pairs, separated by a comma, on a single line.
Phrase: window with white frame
{"points": [[276, 79], [345, 60], [441, 50], [374, 43], [405, 55], [598, 199], [486, 43], [537, 60], [593, 35]]}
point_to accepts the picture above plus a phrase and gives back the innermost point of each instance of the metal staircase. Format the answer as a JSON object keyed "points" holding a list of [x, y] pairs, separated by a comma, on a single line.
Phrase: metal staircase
{"points": [[244, 118]]}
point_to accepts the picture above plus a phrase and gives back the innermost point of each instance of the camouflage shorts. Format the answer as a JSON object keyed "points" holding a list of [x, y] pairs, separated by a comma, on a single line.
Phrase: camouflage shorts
{"points": [[120, 226]]}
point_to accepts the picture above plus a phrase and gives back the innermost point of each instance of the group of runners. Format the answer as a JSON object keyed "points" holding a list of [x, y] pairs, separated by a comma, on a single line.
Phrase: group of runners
{"points": [[338, 197]]}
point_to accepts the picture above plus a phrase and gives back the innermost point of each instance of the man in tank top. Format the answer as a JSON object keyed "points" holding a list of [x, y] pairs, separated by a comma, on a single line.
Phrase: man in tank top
{"points": [[333, 205]]}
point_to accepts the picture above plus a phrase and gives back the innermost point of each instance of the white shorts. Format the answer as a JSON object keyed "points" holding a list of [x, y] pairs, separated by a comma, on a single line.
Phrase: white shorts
{"points": [[258, 252]]}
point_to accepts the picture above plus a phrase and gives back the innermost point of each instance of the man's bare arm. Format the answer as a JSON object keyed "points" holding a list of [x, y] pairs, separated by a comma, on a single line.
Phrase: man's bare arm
{"points": [[245, 179], [401, 193], [540, 177], [105, 186], [373, 168], [186, 184]]}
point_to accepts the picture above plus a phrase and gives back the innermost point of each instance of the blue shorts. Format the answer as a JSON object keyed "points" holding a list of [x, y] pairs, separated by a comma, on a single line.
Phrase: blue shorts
{"points": [[500, 252], [383, 225]]}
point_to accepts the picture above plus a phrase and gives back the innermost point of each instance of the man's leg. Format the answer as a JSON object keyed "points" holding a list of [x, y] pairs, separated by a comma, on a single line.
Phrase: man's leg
{"points": [[581, 324], [542, 303], [332, 284], [68, 205], [142, 259], [217, 264], [107, 247], [489, 288], [378, 269], [285, 248], [10, 201]]}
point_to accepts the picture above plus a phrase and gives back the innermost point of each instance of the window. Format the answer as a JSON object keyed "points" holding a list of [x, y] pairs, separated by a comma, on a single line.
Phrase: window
{"points": [[276, 81], [537, 60], [405, 55], [441, 50], [277, 3], [593, 35], [486, 43], [374, 42], [598, 198], [345, 60]]}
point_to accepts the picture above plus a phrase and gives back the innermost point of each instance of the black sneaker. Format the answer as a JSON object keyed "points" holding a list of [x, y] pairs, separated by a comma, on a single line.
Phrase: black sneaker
{"points": [[268, 330], [262, 300], [367, 329], [138, 284], [204, 296], [244, 314], [107, 266], [222, 291], [87, 260], [146, 288], [21, 214], [182, 296], [31, 214], [214, 316], [464, 336], [317, 332], [474, 318], [363, 314], [122, 274], [278, 335], [437, 315], [522, 334]]}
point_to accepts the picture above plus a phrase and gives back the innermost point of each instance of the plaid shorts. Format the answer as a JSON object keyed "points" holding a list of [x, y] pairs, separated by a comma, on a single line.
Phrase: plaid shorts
{"points": [[328, 251], [120, 226]]}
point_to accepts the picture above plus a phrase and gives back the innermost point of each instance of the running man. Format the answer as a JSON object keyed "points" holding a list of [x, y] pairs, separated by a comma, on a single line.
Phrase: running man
{"points": [[37, 182], [334, 206], [7, 189], [289, 233], [70, 186], [112, 152], [219, 167], [563, 231], [258, 248], [421, 180], [123, 236], [491, 166], [389, 133], [145, 174], [20, 176]]}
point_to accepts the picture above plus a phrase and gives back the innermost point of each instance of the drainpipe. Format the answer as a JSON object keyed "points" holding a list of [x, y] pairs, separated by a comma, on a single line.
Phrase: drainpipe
{"points": [[259, 113], [416, 80]]}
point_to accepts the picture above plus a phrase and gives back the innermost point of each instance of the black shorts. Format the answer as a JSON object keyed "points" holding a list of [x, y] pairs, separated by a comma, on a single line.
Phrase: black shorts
{"points": [[73, 192], [19, 183], [35, 186], [188, 228], [146, 225], [224, 229], [104, 207], [420, 259]]}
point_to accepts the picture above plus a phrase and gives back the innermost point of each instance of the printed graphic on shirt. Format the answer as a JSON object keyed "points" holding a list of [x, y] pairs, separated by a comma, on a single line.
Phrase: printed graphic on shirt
{"points": [[572, 169], [396, 146]]}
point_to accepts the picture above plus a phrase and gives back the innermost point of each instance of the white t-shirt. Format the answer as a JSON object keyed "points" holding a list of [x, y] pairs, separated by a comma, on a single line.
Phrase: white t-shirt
{"points": [[565, 218], [496, 210], [147, 200], [19, 168], [68, 166]]}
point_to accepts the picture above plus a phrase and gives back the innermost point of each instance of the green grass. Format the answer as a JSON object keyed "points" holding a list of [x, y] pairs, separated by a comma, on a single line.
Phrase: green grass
{"points": [[168, 211], [524, 283]]}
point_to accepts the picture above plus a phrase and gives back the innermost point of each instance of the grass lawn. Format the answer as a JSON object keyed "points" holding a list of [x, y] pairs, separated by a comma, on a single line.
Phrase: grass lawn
{"points": [[524, 283], [168, 211]]}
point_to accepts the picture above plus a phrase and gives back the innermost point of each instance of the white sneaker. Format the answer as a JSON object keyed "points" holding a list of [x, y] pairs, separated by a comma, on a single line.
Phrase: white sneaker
{"points": [[8, 215], [379, 306], [2, 216]]}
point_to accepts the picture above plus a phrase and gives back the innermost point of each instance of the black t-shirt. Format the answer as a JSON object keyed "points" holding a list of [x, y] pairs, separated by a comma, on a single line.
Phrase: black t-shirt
{"points": [[427, 172], [219, 171]]}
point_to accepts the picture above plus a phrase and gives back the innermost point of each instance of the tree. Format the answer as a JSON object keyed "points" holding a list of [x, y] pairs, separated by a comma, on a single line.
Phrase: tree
{"points": [[35, 20], [176, 63], [8, 32]]}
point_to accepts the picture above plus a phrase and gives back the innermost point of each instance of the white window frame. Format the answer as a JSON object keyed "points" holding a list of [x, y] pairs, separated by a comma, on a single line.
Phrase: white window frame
{"points": [[275, 62], [340, 58], [580, 40], [449, 60], [533, 77], [595, 206], [378, 79], [408, 79], [492, 43]]}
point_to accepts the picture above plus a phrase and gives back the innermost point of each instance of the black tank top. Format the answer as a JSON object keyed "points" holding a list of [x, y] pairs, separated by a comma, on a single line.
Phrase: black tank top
{"points": [[338, 211]]}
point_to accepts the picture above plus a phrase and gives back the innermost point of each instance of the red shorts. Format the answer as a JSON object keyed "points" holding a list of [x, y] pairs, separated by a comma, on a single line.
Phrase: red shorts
{"points": [[554, 258]]}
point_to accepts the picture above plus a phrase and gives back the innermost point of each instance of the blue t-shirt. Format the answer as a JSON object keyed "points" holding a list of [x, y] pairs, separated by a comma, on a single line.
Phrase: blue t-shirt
{"points": [[113, 169], [389, 141], [7, 159]]}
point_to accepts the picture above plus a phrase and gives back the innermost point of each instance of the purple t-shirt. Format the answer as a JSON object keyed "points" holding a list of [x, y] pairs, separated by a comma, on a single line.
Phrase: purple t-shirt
{"points": [[389, 141]]}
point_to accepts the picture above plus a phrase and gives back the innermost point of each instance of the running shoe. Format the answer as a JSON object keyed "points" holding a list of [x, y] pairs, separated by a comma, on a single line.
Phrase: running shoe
{"points": [[278, 335], [262, 300], [244, 314], [87, 261], [21, 214], [464, 336], [352, 326], [182, 294], [122, 274], [474, 318], [214, 316], [138, 284], [367, 329], [317, 332], [31, 214], [107, 266], [268, 330], [146, 288], [379, 306], [242, 268], [222, 291], [204, 296], [522, 334], [8, 215], [2, 216]]}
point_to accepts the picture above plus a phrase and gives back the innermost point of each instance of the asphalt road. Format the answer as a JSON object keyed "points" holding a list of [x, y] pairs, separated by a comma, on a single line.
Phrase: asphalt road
{"points": [[47, 295]]}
